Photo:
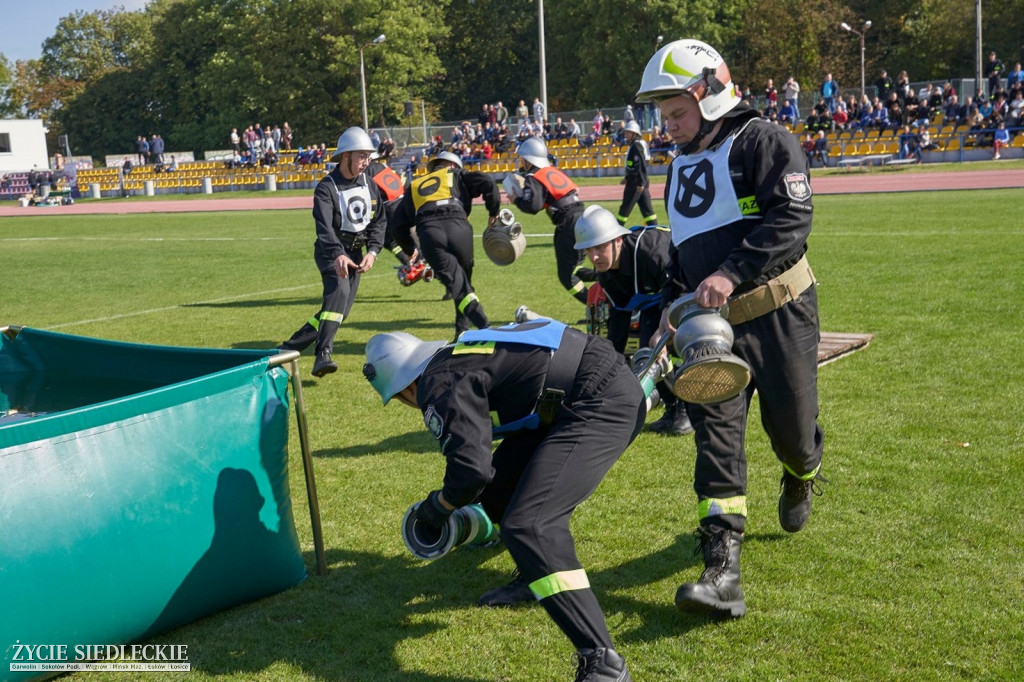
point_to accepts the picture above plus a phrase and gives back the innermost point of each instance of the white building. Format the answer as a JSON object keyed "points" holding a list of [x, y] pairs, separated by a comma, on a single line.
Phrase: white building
{"points": [[22, 145]]}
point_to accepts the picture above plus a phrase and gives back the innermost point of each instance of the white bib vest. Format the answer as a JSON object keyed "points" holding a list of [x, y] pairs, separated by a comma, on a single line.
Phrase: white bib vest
{"points": [[356, 207], [702, 197]]}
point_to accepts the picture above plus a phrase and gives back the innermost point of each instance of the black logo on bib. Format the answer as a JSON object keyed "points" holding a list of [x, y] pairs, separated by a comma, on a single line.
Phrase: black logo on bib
{"points": [[357, 210], [695, 189]]}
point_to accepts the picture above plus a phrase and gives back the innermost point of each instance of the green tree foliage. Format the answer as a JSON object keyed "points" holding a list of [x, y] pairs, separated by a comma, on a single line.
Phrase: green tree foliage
{"points": [[193, 69]]}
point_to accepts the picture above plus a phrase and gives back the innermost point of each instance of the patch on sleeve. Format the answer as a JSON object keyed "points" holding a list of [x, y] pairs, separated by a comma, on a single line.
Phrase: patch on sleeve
{"points": [[797, 187], [434, 422]]}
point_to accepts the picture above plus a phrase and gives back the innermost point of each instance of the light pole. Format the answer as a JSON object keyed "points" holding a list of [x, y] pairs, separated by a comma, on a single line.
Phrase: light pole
{"points": [[362, 76], [860, 34]]}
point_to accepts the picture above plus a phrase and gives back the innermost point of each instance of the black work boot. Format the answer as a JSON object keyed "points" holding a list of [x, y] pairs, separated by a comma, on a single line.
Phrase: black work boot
{"points": [[718, 592], [324, 364], [516, 592], [601, 665], [795, 500], [674, 422]]}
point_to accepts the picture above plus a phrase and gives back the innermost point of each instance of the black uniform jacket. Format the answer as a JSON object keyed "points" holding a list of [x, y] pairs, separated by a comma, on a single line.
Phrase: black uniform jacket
{"points": [[643, 270], [766, 163], [636, 165], [464, 385], [331, 242], [466, 186]]}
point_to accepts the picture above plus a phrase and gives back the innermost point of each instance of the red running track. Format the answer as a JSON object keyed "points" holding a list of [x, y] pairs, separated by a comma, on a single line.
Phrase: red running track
{"points": [[852, 183]]}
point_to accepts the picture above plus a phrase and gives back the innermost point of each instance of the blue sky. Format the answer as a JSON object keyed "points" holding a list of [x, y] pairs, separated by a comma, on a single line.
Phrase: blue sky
{"points": [[25, 24]]}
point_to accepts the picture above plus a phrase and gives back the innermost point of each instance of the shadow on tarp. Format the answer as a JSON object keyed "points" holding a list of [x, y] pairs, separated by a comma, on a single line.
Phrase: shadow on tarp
{"points": [[141, 487]]}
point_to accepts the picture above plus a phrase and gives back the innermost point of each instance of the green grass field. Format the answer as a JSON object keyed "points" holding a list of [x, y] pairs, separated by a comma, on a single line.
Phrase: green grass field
{"points": [[911, 566]]}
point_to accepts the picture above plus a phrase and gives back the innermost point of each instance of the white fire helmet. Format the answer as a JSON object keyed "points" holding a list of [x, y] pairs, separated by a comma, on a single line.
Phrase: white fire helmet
{"points": [[693, 67], [597, 226], [535, 152], [354, 139], [395, 360], [443, 156], [632, 127]]}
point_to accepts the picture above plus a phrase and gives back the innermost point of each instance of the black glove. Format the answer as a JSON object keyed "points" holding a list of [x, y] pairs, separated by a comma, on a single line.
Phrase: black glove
{"points": [[432, 513]]}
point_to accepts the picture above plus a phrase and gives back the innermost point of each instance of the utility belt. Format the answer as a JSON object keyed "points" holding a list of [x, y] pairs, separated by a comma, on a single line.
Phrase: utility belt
{"points": [[566, 204], [562, 370], [352, 240], [773, 294]]}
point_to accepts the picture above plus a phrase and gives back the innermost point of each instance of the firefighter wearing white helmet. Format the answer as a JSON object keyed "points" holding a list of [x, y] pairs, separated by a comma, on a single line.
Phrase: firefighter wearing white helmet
{"points": [[438, 205], [348, 211], [545, 187], [637, 188], [739, 203], [553, 451], [633, 266]]}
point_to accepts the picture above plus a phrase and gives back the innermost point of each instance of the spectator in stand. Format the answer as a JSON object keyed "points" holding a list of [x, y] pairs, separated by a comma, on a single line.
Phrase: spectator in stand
{"points": [[606, 125], [841, 118], [770, 112], [791, 91], [771, 95], [141, 148], [922, 115], [994, 69], [935, 101], [884, 86], [894, 112], [560, 129], [808, 146], [619, 138], [821, 149], [1015, 109], [1000, 139], [539, 114], [172, 166], [628, 114], [286, 136], [830, 93], [880, 117], [574, 129], [503, 140], [485, 114], [902, 87], [948, 92], [956, 113], [500, 114], [787, 114], [910, 105], [522, 112], [1015, 80], [126, 169], [276, 135], [909, 147], [249, 137], [386, 149], [925, 141]]}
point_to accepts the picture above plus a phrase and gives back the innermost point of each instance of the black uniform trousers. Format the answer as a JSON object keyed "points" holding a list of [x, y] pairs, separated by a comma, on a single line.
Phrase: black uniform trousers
{"points": [[447, 245], [633, 194], [567, 258], [781, 348], [541, 476], [339, 293]]}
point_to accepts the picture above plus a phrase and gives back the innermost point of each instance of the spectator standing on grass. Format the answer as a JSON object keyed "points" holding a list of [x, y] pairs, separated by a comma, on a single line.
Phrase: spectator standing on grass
{"points": [[729, 251], [348, 213]]}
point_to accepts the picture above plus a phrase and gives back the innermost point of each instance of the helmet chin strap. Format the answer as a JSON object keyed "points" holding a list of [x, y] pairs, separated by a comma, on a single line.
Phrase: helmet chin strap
{"points": [[705, 129]]}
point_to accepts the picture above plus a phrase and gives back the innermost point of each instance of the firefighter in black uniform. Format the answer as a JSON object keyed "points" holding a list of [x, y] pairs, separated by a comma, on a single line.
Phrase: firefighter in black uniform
{"points": [[567, 407], [546, 187], [390, 184], [739, 205], [438, 204], [633, 266], [348, 210], [637, 184]]}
